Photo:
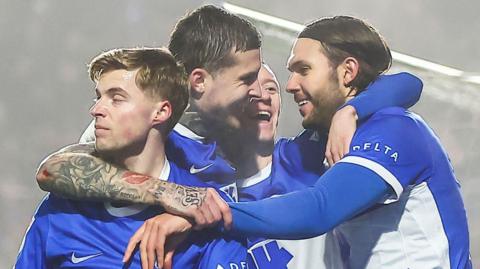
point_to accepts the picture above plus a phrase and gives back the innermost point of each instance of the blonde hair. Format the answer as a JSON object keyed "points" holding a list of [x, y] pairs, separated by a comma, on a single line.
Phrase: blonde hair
{"points": [[159, 75]]}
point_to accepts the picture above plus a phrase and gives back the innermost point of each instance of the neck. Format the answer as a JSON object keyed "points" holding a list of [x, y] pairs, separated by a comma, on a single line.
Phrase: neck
{"points": [[147, 158], [194, 122], [247, 157]]}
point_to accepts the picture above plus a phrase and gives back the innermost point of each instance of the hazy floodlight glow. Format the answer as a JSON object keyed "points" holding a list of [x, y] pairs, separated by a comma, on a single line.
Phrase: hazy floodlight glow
{"points": [[399, 57]]}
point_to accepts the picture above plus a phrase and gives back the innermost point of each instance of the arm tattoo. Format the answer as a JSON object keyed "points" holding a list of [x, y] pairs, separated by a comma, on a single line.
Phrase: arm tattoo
{"points": [[76, 173]]}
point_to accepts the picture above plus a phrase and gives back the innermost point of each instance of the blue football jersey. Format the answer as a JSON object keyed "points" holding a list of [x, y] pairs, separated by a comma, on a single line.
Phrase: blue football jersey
{"points": [[199, 156], [297, 163], [79, 234], [422, 224]]}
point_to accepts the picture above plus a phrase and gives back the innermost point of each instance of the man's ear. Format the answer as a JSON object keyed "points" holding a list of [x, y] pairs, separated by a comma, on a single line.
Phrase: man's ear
{"points": [[198, 79], [162, 112], [350, 70]]}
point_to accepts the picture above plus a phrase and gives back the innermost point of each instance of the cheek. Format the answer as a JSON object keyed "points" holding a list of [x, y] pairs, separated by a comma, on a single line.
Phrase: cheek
{"points": [[133, 124]]}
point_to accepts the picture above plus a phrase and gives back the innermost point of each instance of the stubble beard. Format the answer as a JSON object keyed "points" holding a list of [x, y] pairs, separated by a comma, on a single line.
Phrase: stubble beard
{"points": [[324, 107]]}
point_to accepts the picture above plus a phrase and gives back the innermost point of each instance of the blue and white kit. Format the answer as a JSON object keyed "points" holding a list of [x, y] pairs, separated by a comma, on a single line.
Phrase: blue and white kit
{"points": [[79, 234], [297, 164], [394, 194]]}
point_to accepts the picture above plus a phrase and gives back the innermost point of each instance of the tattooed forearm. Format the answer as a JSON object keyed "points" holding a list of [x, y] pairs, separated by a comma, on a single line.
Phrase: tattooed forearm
{"points": [[191, 196], [178, 199], [78, 175], [83, 176]]}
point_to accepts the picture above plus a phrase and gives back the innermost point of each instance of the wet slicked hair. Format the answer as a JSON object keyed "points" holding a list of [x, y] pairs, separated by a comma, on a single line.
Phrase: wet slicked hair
{"points": [[344, 36], [206, 37], [159, 75]]}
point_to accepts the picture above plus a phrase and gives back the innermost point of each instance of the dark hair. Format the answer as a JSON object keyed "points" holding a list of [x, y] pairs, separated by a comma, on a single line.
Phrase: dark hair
{"points": [[206, 37], [159, 75], [344, 36]]}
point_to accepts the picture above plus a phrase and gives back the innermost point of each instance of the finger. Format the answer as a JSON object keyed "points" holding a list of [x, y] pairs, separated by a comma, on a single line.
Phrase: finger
{"points": [[215, 210], [346, 147], [336, 154], [328, 149], [343, 148], [137, 236], [143, 245], [151, 244], [200, 221], [168, 259], [226, 213], [328, 155], [206, 215], [160, 246]]}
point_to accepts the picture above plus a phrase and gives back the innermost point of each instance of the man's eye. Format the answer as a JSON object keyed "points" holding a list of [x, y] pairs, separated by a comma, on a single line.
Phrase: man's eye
{"points": [[272, 90], [303, 70], [118, 98]]}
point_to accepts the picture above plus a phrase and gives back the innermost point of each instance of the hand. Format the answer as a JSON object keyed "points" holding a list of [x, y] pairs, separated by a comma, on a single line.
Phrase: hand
{"points": [[158, 238], [213, 210], [204, 205], [342, 128]]}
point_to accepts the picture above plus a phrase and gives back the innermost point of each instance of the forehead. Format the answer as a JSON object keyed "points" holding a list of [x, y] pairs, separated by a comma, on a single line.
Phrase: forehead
{"points": [[246, 61], [266, 75], [305, 50], [117, 79]]}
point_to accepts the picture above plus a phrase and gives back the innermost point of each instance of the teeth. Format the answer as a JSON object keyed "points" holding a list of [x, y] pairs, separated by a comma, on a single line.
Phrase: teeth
{"points": [[301, 103], [264, 113]]}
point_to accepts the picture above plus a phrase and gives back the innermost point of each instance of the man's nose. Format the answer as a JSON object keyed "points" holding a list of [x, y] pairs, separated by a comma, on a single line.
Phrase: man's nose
{"points": [[98, 109], [255, 90], [292, 84]]}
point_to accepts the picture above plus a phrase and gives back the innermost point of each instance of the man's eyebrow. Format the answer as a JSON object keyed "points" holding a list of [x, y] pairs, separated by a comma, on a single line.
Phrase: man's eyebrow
{"points": [[111, 91], [116, 90], [249, 75], [296, 64]]}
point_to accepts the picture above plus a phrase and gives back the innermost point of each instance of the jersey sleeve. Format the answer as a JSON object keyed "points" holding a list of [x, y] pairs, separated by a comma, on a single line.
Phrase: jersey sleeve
{"points": [[394, 148], [89, 134], [32, 253], [344, 191], [402, 89]]}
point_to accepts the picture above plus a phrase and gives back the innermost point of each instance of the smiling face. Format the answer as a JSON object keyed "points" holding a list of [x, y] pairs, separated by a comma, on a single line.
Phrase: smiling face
{"points": [[314, 84], [123, 113], [227, 91], [261, 115]]}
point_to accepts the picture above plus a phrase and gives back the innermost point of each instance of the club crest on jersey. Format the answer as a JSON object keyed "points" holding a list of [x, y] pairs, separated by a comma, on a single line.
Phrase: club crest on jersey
{"points": [[268, 254], [377, 147], [231, 190]]}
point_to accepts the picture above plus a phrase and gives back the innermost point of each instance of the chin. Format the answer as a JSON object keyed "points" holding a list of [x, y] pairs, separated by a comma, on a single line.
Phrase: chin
{"points": [[266, 139], [103, 148]]}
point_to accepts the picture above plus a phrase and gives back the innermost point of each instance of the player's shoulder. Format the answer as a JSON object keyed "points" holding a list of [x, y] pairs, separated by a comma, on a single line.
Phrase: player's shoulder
{"points": [[393, 118], [52, 203], [305, 139], [184, 134]]}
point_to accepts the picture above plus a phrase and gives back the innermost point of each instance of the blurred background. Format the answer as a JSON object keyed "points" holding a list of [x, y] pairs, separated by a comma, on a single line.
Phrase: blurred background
{"points": [[45, 92]]}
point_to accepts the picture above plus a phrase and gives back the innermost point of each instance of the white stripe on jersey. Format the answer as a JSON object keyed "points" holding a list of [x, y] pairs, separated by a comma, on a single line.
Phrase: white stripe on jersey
{"points": [[379, 170], [406, 234]]}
